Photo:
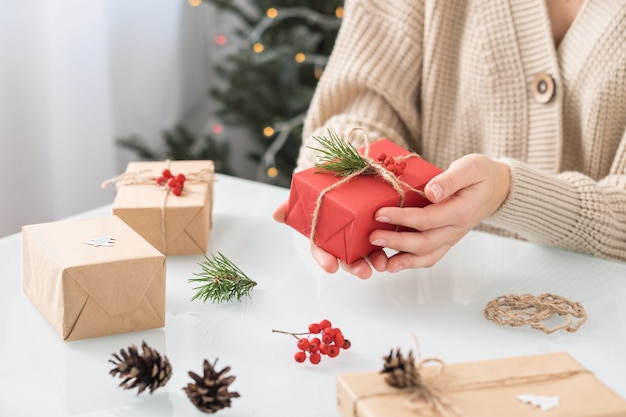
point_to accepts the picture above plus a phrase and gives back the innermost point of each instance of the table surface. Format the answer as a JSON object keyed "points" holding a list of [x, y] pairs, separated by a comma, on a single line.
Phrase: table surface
{"points": [[442, 306]]}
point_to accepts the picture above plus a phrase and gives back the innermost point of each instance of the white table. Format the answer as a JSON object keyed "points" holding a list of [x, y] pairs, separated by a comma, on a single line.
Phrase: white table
{"points": [[41, 375]]}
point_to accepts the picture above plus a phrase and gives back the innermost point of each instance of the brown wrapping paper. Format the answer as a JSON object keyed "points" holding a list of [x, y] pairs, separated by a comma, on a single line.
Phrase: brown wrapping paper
{"points": [[487, 389], [174, 225], [87, 291]]}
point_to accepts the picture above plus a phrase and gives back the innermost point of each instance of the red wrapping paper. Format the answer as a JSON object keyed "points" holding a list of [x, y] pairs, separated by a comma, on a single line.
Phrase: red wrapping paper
{"points": [[346, 216]]}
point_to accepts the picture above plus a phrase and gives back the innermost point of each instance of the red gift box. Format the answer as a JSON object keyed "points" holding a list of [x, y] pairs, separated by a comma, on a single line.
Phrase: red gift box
{"points": [[346, 214]]}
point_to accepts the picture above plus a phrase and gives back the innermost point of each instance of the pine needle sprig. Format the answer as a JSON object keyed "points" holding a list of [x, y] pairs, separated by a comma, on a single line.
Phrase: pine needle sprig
{"points": [[221, 280], [339, 156]]}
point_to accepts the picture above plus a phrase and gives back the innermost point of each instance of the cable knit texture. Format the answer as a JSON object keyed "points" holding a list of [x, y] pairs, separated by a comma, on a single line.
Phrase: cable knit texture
{"points": [[447, 78]]}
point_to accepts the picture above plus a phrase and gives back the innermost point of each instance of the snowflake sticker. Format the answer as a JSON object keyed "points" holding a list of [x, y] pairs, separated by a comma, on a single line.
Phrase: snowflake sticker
{"points": [[543, 402], [105, 240]]}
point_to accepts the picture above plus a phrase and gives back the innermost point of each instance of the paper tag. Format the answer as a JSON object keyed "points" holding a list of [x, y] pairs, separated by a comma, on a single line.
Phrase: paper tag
{"points": [[543, 402], [106, 240]]}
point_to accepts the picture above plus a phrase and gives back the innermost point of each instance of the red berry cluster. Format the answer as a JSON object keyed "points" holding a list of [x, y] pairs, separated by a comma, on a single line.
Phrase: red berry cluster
{"points": [[390, 164], [329, 342], [175, 183]]}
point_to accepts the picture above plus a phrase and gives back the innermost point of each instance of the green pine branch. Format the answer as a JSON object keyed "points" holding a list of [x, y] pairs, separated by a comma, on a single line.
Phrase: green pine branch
{"points": [[221, 280], [338, 156]]}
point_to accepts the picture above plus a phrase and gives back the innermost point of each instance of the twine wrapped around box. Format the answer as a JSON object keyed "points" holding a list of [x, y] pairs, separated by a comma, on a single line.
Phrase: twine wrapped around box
{"points": [[193, 176]]}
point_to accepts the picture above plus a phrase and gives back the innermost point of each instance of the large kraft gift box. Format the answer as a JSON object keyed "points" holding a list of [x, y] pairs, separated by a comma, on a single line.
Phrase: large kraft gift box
{"points": [[93, 277], [346, 215], [487, 389], [175, 225]]}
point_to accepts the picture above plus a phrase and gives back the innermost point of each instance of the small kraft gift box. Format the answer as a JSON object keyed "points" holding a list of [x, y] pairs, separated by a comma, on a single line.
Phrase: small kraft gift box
{"points": [[552, 384], [93, 277], [346, 209], [174, 223]]}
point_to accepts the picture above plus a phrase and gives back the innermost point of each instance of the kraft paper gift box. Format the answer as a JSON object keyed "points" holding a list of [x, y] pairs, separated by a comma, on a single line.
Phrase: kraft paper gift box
{"points": [[93, 277], [511, 387], [175, 225], [346, 215]]}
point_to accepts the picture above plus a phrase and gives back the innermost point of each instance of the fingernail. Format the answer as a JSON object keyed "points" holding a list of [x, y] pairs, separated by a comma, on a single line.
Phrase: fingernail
{"points": [[383, 219], [437, 191], [398, 268], [379, 242]]}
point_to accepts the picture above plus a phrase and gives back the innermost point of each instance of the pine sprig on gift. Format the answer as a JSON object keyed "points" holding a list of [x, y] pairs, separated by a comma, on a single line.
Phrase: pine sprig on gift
{"points": [[221, 280], [339, 156]]}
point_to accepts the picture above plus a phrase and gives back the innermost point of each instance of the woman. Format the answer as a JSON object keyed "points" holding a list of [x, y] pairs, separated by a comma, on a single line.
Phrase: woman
{"points": [[524, 102]]}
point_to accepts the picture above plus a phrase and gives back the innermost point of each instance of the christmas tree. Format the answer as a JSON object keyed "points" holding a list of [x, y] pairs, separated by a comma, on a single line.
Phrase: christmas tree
{"points": [[266, 82]]}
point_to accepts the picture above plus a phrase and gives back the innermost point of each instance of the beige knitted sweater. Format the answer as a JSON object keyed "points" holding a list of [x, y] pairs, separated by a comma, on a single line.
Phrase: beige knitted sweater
{"points": [[447, 78]]}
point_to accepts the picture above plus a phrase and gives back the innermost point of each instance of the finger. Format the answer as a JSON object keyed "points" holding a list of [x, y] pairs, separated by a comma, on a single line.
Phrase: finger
{"points": [[462, 173], [280, 212], [359, 268], [419, 243], [403, 260], [426, 218], [325, 260], [378, 260]]}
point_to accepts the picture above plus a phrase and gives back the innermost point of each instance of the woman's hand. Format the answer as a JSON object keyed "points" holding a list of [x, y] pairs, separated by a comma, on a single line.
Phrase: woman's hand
{"points": [[469, 191]]}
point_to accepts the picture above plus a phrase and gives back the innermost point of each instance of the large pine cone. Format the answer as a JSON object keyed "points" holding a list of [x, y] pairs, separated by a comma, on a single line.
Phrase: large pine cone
{"points": [[148, 370], [210, 392], [401, 372]]}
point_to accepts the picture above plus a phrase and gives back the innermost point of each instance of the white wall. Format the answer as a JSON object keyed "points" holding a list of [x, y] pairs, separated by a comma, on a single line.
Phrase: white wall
{"points": [[74, 76]]}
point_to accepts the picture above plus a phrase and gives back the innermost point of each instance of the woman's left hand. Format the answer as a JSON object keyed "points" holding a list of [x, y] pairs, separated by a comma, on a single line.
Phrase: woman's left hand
{"points": [[469, 191]]}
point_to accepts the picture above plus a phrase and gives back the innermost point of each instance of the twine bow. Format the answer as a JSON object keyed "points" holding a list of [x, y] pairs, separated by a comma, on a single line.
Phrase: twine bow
{"points": [[147, 177], [368, 166]]}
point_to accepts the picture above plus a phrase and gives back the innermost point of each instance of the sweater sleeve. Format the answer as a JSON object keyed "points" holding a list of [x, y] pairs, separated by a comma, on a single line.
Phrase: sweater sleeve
{"points": [[569, 210], [372, 79]]}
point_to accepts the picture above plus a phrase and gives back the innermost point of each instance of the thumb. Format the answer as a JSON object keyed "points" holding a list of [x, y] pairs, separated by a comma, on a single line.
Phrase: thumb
{"points": [[460, 174]]}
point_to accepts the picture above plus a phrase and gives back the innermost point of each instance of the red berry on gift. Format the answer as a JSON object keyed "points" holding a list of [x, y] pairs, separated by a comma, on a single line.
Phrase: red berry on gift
{"points": [[328, 339], [171, 182], [399, 170], [303, 343], [180, 178], [160, 180], [315, 328], [339, 339], [388, 161], [381, 157], [324, 348], [315, 358], [346, 344], [167, 173], [300, 356], [177, 191]]}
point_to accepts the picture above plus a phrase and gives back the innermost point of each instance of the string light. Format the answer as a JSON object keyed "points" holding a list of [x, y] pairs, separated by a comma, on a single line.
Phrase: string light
{"points": [[339, 12], [220, 39], [272, 172], [195, 3], [300, 57], [318, 73], [272, 12], [268, 131], [258, 47], [218, 128]]}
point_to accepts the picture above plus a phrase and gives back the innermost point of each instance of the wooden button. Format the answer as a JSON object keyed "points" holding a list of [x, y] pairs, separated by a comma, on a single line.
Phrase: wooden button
{"points": [[542, 88]]}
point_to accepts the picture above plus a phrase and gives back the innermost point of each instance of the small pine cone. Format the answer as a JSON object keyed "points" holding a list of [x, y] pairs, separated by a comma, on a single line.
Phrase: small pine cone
{"points": [[210, 392], [148, 370], [401, 372]]}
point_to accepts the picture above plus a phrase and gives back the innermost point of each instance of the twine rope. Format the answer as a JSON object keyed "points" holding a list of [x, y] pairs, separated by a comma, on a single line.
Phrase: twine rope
{"points": [[371, 165], [147, 177], [526, 309]]}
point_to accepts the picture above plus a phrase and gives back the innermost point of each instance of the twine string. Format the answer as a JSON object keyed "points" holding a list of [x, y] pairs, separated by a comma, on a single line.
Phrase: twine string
{"points": [[526, 309], [371, 166], [147, 177]]}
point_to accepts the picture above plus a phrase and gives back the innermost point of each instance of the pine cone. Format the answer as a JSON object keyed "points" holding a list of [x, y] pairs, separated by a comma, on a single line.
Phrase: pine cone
{"points": [[210, 392], [148, 370], [401, 372]]}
